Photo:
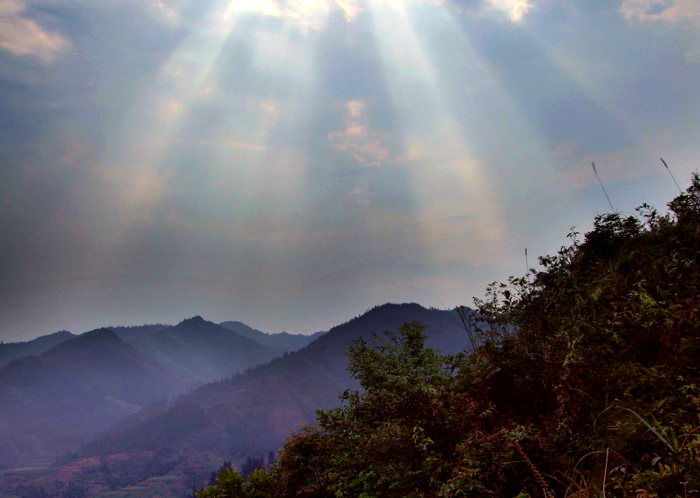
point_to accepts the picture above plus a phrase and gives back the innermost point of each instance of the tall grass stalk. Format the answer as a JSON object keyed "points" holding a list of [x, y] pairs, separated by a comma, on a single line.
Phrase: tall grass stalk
{"points": [[601, 186], [673, 177], [605, 472], [527, 263]]}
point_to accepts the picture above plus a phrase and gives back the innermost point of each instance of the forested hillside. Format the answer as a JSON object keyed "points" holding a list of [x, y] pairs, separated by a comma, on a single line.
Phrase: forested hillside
{"points": [[586, 384], [60, 390]]}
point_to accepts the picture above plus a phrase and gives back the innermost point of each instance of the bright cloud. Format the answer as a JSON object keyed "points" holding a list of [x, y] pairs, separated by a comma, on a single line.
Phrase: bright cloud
{"points": [[515, 9], [307, 14], [22, 36], [164, 11], [167, 12]]}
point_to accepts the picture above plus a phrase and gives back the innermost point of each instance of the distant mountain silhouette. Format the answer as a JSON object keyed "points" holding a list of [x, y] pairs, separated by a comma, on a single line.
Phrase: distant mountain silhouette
{"points": [[14, 350], [59, 390], [52, 402], [282, 342], [126, 334], [254, 412], [199, 350]]}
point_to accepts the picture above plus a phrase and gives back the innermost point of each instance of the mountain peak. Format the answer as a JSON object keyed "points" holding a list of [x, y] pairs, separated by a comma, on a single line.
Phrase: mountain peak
{"points": [[398, 306], [195, 320], [99, 339], [97, 335]]}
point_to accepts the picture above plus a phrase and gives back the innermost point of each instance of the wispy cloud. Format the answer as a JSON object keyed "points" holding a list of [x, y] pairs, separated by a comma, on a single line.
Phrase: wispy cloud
{"points": [[668, 11], [303, 14], [358, 140], [22, 36]]}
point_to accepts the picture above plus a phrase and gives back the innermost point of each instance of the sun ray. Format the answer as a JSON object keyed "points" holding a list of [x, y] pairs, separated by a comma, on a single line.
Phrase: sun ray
{"points": [[584, 74], [446, 171], [459, 196], [190, 78]]}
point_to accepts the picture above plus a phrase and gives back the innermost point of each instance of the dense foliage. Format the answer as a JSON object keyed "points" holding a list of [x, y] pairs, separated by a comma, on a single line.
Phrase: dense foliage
{"points": [[585, 383]]}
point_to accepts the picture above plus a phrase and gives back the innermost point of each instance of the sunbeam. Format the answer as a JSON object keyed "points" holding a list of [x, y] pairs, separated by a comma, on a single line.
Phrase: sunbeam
{"points": [[320, 156], [461, 197]]}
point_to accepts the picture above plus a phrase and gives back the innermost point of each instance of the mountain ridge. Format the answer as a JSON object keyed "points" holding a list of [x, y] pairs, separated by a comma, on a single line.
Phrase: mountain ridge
{"points": [[202, 350], [12, 350], [282, 342], [304, 381]]}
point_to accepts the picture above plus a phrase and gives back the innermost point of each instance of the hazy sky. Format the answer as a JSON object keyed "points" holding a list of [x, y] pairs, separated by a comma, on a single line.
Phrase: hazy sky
{"points": [[291, 163]]}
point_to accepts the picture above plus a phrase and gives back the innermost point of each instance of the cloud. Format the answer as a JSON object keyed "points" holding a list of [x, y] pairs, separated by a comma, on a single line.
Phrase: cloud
{"points": [[139, 189], [307, 15], [669, 11], [357, 140], [316, 157], [515, 9], [23, 36], [167, 13], [11, 7]]}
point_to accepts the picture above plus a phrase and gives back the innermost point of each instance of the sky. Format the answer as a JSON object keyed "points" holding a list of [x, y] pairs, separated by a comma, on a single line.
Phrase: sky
{"points": [[293, 163]]}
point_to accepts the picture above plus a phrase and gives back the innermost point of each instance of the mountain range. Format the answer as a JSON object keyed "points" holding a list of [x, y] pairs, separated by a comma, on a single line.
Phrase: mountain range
{"points": [[240, 415], [60, 390], [200, 351]]}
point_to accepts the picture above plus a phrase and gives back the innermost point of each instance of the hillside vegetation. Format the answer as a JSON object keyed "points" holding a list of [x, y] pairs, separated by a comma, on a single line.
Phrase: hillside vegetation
{"points": [[585, 384]]}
